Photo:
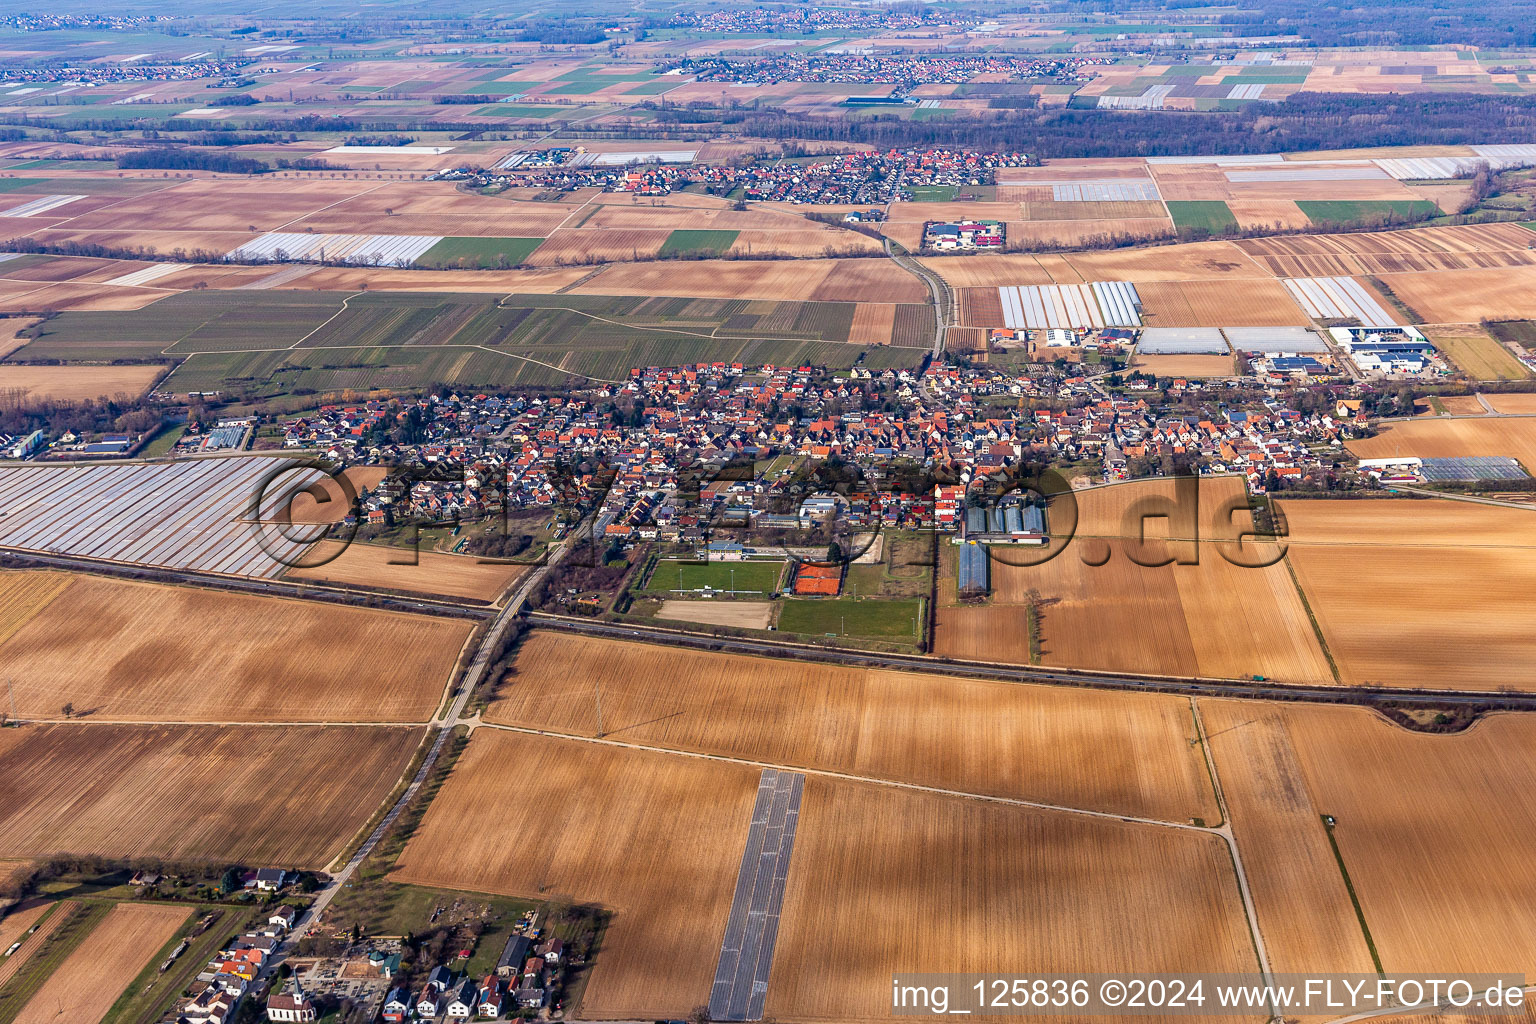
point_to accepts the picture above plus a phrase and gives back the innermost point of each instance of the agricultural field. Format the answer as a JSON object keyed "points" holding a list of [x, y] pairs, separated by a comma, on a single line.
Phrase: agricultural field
{"points": [[1212, 618], [90, 979], [77, 383], [421, 572], [166, 653], [871, 861], [1302, 902], [1428, 828], [1185, 365], [290, 341], [1205, 215], [998, 739], [290, 796], [479, 253], [756, 578], [1428, 439], [1476, 352], [653, 837], [683, 240], [1421, 625], [1346, 212]]}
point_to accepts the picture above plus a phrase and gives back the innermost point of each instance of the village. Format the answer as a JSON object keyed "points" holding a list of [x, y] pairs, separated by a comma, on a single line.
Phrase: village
{"points": [[858, 178], [629, 452]]}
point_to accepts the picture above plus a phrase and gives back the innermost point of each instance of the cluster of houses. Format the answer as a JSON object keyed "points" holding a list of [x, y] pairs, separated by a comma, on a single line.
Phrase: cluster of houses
{"points": [[663, 434], [851, 67], [864, 178], [220, 987], [523, 979]]}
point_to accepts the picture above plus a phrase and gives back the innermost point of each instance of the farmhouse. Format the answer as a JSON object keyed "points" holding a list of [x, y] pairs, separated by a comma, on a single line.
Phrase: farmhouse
{"points": [[967, 234]]}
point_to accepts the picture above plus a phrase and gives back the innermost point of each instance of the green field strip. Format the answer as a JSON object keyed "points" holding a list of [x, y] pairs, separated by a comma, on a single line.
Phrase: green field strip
{"points": [[1349, 211], [1354, 899], [687, 240], [1211, 214], [479, 253]]}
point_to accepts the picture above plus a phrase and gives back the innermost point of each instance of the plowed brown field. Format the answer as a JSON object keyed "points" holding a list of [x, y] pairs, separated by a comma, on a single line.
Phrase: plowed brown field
{"points": [[91, 978], [372, 565], [656, 838], [161, 653], [287, 796], [79, 383], [1429, 439], [883, 878], [1419, 593], [1000, 739], [1211, 618], [1432, 830], [872, 322]]}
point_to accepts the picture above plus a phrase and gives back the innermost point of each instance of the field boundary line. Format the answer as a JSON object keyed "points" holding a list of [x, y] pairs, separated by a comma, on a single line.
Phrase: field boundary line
{"points": [[1354, 899], [327, 206], [345, 299], [828, 773], [1317, 627]]}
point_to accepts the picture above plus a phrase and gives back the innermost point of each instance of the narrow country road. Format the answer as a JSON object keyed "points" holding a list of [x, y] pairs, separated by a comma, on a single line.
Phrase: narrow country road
{"points": [[943, 303], [474, 675]]}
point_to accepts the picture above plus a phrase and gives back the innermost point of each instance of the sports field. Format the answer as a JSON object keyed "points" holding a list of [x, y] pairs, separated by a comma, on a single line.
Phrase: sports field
{"points": [[846, 616], [164, 653], [258, 795], [755, 578]]}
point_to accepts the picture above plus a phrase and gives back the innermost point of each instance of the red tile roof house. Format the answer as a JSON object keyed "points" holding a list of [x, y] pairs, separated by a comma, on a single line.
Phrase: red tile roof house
{"points": [[494, 999]]}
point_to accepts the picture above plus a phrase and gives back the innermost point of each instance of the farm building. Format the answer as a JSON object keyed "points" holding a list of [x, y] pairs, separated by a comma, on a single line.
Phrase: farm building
{"points": [[1275, 341], [967, 234], [1005, 524], [1168, 341], [973, 569], [1387, 350], [1470, 469]]}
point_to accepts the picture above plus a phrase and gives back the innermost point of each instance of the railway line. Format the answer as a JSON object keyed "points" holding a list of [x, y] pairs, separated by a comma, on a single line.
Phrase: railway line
{"points": [[1188, 686]]}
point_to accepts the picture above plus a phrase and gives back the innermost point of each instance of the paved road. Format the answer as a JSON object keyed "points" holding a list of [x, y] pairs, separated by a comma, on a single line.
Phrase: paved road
{"points": [[1186, 686], [942, 304], [474, 675]]}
